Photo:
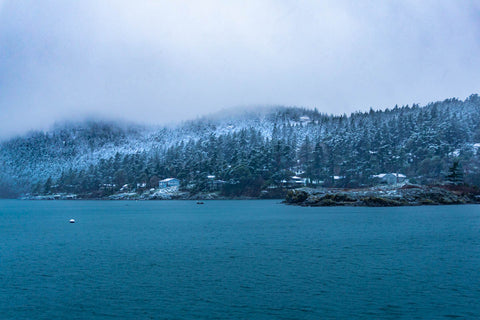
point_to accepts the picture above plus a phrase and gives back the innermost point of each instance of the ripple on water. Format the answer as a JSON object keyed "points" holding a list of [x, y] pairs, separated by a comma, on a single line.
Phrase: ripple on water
{"points": [[238, 260]]}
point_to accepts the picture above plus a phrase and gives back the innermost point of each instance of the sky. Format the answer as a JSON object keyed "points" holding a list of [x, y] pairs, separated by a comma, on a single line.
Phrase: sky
{"points": [[161, 62]]}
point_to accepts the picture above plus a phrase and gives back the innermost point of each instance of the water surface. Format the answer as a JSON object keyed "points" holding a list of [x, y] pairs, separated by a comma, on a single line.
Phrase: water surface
{"points": [[236, 260]]}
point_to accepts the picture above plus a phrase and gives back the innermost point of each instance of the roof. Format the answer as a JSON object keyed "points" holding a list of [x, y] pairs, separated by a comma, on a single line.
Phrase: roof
{"points": [[382, 175]]}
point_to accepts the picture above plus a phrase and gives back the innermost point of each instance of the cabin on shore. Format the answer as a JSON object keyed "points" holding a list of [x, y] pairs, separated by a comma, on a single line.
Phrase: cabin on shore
{"points": [[169, 182], [214, 184], [294, 182], [390, 178]]}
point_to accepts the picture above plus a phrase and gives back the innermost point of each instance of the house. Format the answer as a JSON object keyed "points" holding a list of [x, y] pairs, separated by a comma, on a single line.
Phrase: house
{"points": [[294, 182], [169, 182], [390, 178], [215, 184]]}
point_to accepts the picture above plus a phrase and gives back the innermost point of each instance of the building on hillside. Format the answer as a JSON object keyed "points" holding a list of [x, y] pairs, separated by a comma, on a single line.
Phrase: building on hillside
{"points": [[390, 178], [214, 184], [294, 182], [169, 182]]}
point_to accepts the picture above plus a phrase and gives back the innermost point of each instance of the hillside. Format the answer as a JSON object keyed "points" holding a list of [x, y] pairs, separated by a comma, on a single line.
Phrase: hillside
{"points": [[249, 151]]}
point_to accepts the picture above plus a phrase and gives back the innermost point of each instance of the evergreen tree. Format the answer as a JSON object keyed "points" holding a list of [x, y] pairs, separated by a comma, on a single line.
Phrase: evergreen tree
{"points": [[455, 174]]}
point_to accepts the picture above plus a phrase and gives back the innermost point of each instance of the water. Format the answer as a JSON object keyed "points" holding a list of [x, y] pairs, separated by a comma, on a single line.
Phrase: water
{"points": [[236, 260]]}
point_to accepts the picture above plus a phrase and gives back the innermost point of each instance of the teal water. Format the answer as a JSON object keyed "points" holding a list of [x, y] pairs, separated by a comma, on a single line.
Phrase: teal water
{"points": [[236, 260]]}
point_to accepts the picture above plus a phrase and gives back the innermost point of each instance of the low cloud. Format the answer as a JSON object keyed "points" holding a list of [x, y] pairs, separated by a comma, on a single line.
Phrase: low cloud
{"points": [[166, 61]]}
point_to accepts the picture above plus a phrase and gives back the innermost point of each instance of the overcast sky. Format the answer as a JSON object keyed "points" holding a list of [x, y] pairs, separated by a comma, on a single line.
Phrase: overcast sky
{"points": [[166, 61]]}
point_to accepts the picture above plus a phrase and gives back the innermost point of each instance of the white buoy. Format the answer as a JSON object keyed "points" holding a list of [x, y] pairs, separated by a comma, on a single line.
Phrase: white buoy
{"points": [[72, 221]]}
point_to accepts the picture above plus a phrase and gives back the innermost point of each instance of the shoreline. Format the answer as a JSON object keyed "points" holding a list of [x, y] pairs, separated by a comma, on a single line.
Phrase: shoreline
{"points": [[379, 196]]}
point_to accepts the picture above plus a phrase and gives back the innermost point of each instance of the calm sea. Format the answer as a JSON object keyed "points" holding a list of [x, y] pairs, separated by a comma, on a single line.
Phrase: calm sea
{"points": [[236, 260]]}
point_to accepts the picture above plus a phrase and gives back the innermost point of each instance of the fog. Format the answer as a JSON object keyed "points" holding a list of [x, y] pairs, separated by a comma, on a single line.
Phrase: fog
{"points": [[161, 62]]}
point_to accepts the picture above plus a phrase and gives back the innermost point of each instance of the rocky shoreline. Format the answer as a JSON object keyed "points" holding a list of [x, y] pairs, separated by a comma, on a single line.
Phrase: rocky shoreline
{"points": [[406, 195], [380, 196]]}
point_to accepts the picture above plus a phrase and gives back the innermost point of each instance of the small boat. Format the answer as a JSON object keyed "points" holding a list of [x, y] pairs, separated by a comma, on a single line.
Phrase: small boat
{"points": [[199, 202], [72, 221]]}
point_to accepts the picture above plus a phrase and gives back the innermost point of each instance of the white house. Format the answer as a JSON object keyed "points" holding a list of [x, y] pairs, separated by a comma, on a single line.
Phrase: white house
{"points": [[294, 182], [390, 178], [169, 182]]}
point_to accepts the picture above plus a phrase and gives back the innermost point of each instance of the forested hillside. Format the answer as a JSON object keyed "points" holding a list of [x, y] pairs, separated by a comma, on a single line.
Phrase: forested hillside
{"points": [[249, 151]]}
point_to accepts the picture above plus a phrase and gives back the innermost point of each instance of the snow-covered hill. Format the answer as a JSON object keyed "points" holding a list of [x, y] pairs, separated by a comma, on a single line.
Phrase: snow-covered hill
{"points": [[420, 141]]}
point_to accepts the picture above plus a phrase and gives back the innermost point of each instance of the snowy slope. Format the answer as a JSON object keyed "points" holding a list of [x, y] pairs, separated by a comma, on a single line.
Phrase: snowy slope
{"points": [[446, 129]]}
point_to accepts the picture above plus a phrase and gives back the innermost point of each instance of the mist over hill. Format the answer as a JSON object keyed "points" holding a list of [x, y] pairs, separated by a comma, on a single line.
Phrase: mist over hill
{"points": [[249, 150]]}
